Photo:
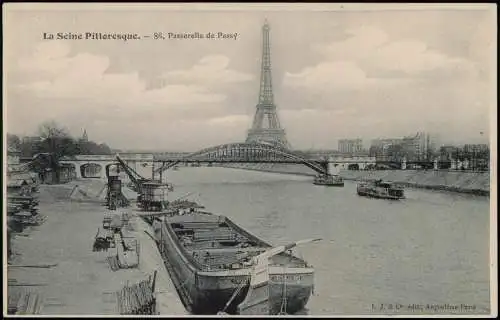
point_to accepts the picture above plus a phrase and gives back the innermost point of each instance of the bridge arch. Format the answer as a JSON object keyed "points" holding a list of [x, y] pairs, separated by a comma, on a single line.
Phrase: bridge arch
{"points": [[353, 166], [247, 153], [91, 170]]}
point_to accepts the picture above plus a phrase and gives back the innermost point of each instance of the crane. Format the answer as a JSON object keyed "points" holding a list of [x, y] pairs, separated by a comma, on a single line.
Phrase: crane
{"points": [[135, 178]]}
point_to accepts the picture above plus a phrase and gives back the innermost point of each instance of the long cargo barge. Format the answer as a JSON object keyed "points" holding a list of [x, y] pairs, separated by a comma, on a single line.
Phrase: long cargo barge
{"points": [[211, 257]]}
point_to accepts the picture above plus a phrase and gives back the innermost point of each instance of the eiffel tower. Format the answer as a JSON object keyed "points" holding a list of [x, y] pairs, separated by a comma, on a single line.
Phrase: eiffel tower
{"points": [[268, 131]]}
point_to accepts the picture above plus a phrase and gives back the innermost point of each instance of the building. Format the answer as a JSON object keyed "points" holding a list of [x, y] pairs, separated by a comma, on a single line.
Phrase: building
{"points": [[476, 149], [478, 156], [350, 146], [85, 137], [417, 148], [31, 140], [447, 153], [411, 148], [384, 142], [13, 156], [381, 149]]}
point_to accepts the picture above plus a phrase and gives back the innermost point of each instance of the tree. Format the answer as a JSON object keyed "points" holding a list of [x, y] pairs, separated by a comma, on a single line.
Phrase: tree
{"points": [[55, 140], [13, 141], [51, 129]]}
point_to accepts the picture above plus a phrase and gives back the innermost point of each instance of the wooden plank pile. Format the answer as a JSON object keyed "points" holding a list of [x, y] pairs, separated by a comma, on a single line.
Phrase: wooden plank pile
{"points": [[116, 221], [25, 202], [216, 234], [22, 206], [137, 299], [103, 240], [128, 256], [126, 222], [24, 301], [110, 236], [113, 262]]}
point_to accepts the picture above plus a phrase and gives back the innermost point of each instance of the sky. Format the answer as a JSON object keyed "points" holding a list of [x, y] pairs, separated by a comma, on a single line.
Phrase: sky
{"points": [[350, 72]]}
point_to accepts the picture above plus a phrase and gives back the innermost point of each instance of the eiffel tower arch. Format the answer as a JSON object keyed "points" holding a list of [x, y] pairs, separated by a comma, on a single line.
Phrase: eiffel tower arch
{"points": [[266, 126]]}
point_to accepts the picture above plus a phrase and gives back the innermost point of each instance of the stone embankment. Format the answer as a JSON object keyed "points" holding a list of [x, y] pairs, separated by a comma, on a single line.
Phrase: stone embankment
{"points": [[454, 181]]}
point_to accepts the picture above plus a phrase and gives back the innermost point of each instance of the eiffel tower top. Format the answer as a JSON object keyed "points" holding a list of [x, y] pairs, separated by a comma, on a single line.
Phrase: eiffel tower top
{"points": [[266, 96], [266, 24]]}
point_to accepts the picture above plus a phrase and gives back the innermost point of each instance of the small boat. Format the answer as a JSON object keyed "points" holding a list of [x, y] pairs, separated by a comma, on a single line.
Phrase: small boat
{"points": [[380, 189], [329, 180], [212, 258]]}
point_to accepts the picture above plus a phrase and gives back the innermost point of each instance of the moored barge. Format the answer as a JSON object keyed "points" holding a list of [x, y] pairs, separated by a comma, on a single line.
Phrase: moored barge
{"points": [[329, 180], [381, 190], [211, 257]]}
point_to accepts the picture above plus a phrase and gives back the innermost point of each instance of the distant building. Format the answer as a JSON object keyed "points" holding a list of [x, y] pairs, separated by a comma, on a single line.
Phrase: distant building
{"points": [[476, 148], [478, 156], [85, 137], [385, 142], [381, 148], [31, 140], [410, 148], [447, 153], [350, 146], [13, 156], [417, 148]]}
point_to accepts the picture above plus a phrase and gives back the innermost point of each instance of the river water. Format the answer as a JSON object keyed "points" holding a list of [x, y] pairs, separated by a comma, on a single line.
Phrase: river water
{"points": [[426, 254]]}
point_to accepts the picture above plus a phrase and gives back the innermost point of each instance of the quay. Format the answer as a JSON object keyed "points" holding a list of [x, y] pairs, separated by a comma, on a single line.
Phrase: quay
{"points": [[76, 280], [477, 183]]}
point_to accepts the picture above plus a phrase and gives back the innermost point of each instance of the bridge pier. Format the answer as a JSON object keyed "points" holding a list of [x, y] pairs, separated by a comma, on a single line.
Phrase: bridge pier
{"points": [[78, 170]]}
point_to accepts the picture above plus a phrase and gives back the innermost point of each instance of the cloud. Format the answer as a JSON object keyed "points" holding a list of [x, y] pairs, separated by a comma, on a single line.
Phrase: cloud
{"points": [[213, 68], [336, 74], [84, 76], [369, 57], [358, 45], [233, 120], [48, 59]]}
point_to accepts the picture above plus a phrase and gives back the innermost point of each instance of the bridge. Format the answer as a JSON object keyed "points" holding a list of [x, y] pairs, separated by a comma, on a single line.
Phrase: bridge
{"points": [[244, 153], [153, 164]]}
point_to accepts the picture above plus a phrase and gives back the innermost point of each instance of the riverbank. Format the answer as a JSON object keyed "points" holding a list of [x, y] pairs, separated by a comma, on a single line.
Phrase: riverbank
{"points": [[477, 183], [80, 281], [453, 181]]}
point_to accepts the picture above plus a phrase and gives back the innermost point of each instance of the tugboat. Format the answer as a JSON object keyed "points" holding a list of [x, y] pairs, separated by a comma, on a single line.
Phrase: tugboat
{"points": [[381, 190], [329, 180]]}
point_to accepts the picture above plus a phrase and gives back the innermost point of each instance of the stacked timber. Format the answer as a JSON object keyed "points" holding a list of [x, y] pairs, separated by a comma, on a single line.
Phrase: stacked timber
{"points": [[113, 262], [102, 240], [184, 204], [222, 234], [24, 301], [116, 221], [111, 236], [137, 299], [22, 204], [126, 222], [128, 257]]}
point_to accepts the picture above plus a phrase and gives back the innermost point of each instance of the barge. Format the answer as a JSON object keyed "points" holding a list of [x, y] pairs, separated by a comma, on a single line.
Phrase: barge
{"points": [[329, 180], [211, 257], [381, 190]]}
